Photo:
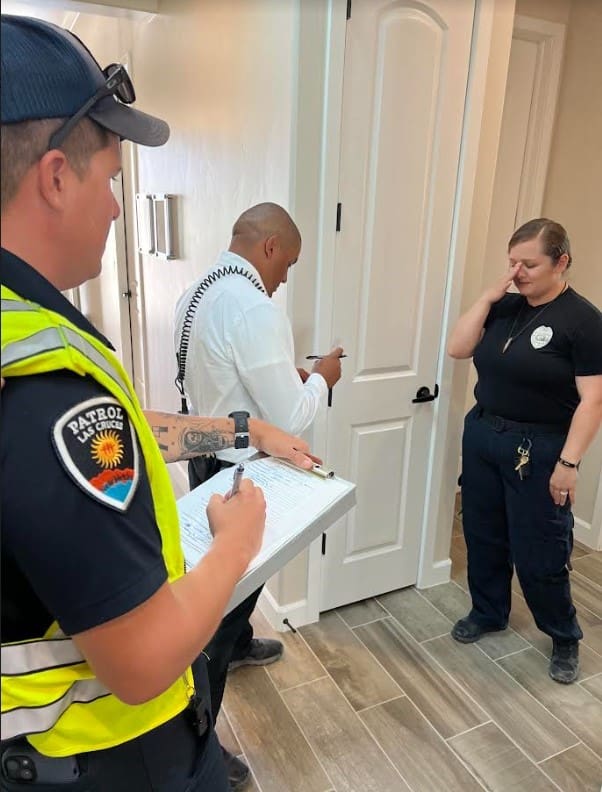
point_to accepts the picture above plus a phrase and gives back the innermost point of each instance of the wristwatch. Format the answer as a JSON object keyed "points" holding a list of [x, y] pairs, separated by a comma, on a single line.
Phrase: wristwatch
{"points": [[564, 463], [241, 428]]}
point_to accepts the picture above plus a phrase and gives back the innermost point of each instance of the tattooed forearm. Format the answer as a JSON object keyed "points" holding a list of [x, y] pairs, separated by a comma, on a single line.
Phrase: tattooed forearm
{"points": [[187, 436], [194, 442], [158, 431]]}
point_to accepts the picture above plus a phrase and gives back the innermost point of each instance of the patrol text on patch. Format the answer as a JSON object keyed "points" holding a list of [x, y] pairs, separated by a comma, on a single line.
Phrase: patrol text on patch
{"points": [[96, 444], [86, 425]]}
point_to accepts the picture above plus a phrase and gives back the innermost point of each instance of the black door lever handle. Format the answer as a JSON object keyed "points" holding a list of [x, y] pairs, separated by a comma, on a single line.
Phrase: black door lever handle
{"points": [[423, 394]]}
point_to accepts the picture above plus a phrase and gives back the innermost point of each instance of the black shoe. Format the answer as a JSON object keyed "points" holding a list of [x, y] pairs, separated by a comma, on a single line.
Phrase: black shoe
{"points": [[238, 772], [467, 631], [564, 663], [262, 651]]}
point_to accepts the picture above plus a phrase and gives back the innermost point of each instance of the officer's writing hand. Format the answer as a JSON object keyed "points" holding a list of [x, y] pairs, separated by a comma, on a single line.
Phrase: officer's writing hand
{"points": [[239, 519], [563, 484], [495, 293], [275, 442], [330, 366], [303, 374]]}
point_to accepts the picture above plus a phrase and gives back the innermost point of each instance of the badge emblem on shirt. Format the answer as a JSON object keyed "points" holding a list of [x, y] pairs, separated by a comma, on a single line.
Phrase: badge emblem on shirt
{"points": [[541, 336], [97, 446]]}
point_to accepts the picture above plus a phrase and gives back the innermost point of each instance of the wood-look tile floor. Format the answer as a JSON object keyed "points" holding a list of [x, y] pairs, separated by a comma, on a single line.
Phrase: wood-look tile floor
{"points": [[377, 697]]}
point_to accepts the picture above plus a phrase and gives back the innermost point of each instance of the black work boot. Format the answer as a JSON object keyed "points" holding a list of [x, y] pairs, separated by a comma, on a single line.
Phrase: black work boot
{"points": [[467, 631], [564, 663], [262, 651], [238, 772]]}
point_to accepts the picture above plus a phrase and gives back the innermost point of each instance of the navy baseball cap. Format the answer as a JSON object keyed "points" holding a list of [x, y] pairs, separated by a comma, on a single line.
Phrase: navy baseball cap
{"points": [[47, 72]]}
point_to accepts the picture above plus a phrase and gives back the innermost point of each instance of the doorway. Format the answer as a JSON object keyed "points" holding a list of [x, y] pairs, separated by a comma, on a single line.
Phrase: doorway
{"points": [[404, 87]]}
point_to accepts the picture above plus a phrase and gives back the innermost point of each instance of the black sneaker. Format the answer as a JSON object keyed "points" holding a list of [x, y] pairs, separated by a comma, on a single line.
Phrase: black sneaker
{"points": [[564, 663], [262, 651], [238, 771], [467, 631]]}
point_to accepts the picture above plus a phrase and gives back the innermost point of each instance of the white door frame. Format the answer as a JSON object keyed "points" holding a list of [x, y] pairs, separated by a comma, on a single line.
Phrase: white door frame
{"points": [[549, 36], [314, 196]]}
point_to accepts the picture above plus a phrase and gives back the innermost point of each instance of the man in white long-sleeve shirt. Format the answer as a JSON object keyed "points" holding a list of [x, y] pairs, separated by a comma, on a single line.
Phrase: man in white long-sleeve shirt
{"points": [[238, 357]]}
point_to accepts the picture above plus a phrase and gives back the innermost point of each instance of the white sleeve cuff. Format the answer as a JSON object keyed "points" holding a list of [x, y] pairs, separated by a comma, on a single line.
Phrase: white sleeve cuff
{"points": [[317, 384]]}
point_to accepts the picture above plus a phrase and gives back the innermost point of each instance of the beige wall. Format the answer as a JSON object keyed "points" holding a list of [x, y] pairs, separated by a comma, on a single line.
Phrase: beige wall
{"points": [[550, 10]]}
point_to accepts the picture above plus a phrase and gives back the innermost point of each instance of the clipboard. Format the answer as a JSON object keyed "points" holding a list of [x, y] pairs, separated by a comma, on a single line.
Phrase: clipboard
{"points": [[300, 506]]}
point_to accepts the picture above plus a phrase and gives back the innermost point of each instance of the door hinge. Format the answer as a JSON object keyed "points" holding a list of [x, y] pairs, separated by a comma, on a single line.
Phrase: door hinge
{"points": [[339, 209], [323, 544], [348, 9]]}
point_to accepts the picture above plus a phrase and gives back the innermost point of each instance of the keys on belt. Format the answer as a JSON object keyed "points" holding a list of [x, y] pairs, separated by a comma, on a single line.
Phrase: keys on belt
{"points": [[523, 459]]}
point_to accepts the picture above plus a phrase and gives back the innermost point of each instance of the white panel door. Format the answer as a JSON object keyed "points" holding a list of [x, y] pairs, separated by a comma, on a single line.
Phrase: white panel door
{"points": [[405, 78]]}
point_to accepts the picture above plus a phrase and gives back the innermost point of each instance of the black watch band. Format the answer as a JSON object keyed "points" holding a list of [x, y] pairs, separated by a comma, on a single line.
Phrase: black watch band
{"points": [[241, 428], [564, 463]]}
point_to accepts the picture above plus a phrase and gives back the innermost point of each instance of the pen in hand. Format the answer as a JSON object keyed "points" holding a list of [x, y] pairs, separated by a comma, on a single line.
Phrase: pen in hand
{"points": [[238, 471], [320, 357]]}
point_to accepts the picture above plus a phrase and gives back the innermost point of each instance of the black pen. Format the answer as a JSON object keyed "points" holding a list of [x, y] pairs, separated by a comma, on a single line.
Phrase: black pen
{"points": [[320, 357]]}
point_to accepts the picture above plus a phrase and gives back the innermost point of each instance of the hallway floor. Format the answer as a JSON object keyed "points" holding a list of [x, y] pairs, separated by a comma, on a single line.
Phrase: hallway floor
{"points": [[377, 697]]}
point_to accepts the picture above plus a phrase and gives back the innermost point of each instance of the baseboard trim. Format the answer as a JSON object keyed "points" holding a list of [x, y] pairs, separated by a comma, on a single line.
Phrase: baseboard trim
{"points": [[440, 572], [583, 533], [297, 612]]}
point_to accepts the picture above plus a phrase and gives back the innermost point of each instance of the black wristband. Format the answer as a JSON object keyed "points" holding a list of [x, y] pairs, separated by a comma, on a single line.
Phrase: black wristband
{"points": [[241, 428], [563, 462]]}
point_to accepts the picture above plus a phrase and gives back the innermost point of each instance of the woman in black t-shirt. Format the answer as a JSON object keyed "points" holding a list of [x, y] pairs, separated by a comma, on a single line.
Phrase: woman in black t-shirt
{"points": [[538, 355]]}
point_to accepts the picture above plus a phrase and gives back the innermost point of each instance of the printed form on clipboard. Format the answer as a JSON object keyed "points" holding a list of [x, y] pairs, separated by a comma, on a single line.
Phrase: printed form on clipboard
{"points": [[300, 506]]}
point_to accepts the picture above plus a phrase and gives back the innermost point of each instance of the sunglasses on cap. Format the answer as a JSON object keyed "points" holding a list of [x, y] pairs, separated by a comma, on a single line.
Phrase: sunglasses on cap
{"points": [[118, 84]]}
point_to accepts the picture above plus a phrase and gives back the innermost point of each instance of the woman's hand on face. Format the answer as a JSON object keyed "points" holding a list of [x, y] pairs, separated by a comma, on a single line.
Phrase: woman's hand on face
{"points": [[563, 484], [495, 293]]}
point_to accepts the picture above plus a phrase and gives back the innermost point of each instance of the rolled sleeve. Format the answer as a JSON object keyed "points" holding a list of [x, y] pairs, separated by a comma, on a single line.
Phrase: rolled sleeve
{"points": [[262, 349]]}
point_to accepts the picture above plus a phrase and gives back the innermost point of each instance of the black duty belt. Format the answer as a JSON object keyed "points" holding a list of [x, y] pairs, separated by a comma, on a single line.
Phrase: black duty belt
{"points": [[501, 424], [22, 766]]}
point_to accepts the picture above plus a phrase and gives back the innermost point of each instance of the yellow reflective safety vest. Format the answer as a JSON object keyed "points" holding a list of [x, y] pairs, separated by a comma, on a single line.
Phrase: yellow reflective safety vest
{"points": [[49, 693]]}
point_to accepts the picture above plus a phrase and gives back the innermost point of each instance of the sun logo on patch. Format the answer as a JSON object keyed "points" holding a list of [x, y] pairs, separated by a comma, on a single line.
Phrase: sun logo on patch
{"points": [[106, 449]]}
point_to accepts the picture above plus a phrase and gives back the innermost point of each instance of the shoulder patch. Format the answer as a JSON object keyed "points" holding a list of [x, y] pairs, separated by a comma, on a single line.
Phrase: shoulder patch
{"points": [[96, 444]]}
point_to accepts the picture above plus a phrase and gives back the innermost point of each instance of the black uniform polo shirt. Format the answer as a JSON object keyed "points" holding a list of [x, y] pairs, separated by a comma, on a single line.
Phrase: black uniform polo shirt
{"points": [[534, 380], [67, 555]]}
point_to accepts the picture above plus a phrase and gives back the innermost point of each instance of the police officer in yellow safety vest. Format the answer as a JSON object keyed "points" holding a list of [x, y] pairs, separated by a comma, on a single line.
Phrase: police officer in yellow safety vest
{"points": [[104, 686]]}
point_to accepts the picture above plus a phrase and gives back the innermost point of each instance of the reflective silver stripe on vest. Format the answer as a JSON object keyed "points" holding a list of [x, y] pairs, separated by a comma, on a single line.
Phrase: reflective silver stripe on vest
{"points": [[17, 305], [44, 341], [89, 351], [50, 339], [32, 720], [26, 658]]}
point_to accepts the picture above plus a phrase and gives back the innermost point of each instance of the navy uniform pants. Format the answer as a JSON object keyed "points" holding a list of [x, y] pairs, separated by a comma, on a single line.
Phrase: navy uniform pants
{"points": [[170, 758], [232, 639], [512, 522]]}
